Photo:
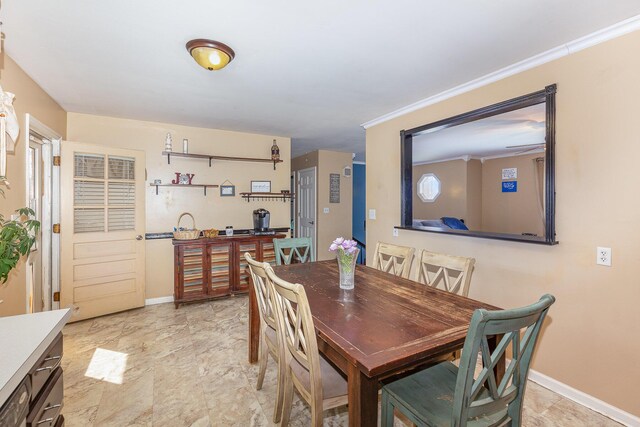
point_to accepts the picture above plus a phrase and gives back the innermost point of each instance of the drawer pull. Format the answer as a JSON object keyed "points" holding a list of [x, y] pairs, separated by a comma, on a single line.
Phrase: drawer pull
{"points": [[48, 408], [50, 368], [52, 358], [48, 420]]}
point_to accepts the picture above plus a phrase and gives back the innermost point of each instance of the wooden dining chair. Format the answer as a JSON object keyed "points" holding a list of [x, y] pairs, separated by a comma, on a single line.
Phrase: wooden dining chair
{"points": [[393, 259], [447, 272], [269, 340], [447, 395], [299, 249], [317, 382]]}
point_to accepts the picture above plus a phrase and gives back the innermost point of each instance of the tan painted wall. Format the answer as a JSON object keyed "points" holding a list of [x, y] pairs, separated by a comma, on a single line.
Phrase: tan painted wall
{"points": [[31, 99], [452, 200], [590, 342], [211, 211], [517, 212], [474, 194], [338, 221]]}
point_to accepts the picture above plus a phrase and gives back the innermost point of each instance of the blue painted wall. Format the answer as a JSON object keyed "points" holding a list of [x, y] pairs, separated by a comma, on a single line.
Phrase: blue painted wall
{"points": [[359, 202]]}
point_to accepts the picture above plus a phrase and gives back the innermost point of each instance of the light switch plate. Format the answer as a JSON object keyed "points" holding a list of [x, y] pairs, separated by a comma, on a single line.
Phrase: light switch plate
{"points": [[372, 214], [395, 232], [325, 210]]}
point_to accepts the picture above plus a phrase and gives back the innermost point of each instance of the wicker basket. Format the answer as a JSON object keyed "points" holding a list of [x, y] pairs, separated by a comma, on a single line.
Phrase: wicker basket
{"points": [[189, 234], [212, 232]]}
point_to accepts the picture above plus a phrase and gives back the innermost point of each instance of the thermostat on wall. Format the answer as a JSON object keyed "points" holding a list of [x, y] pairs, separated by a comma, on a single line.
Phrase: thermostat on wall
{"points": [[347, 171]]}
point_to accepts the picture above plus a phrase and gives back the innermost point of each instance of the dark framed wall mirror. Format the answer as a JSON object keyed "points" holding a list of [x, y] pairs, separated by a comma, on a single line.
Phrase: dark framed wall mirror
{"points": [[487, 173]]}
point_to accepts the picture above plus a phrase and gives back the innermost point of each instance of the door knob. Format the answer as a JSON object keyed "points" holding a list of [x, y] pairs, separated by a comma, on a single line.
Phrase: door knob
{"points": [[139, 237], [311, 222]]}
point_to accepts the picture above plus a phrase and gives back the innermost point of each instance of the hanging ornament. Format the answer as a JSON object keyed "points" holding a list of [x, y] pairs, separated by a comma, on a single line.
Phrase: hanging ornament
{"points": [[168, 143], [275, 151]]}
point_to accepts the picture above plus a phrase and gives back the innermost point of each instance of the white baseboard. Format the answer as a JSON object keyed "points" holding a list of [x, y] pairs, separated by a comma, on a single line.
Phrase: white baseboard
{"points": [[161, 300], [584, 399]]}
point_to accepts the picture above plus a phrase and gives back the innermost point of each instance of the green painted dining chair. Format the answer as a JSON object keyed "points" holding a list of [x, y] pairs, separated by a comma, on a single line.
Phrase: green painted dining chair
{"points": [[298, 249], [445, 395]]}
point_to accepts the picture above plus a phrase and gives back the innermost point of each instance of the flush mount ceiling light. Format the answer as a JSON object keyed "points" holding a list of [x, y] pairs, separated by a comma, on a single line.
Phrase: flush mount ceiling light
{"points": [[210, 54]]}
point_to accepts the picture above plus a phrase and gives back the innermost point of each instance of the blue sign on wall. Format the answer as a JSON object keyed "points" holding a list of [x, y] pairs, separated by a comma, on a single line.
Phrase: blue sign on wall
{"points": [[510, 186]]}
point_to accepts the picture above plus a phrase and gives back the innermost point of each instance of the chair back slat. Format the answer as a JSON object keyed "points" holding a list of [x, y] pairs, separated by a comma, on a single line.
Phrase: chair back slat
{"points": [[299, 249], [262, 290], [447, 272], [478, 395], [393, 259]]}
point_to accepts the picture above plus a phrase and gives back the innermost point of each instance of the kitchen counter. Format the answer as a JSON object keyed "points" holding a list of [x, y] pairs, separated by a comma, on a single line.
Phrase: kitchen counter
{"points": [[169, 235], [23, 339]]}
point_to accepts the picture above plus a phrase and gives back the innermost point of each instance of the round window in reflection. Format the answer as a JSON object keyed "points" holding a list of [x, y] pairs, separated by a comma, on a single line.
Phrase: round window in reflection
{"points": [[428, 187]]}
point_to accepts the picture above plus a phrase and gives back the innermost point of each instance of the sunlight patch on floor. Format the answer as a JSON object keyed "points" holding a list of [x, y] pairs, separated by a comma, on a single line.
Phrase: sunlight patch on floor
{"points": [[107, 365]]}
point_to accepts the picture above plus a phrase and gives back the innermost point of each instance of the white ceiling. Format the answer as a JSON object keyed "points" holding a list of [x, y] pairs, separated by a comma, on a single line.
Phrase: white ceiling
{"points": [[485, 138], [310, 70]]}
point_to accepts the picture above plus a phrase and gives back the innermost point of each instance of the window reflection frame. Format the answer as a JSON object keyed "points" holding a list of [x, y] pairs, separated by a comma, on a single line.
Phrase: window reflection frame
{"points": [[546, 96]]}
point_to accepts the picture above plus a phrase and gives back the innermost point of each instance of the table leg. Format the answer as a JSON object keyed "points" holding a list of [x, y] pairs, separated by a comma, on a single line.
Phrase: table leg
{"points": [[363, 398], [254, 326]]}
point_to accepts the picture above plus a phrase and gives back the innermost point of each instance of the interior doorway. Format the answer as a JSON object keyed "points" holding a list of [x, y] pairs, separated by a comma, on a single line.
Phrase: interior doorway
{"points": [[306, 196], [43, 197]]}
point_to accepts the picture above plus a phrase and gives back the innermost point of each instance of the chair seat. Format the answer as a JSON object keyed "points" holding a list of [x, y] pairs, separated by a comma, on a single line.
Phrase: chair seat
{"points": [[428, 396], [333, 385]]}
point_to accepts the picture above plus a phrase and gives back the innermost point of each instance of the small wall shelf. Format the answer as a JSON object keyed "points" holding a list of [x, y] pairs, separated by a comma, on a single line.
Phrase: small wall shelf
{"points": [[205, 186], [170, 154], [267, 196]]}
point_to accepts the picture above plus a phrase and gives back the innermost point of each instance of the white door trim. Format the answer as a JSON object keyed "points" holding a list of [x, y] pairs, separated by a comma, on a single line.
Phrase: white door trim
{"points": [[50, 243]]}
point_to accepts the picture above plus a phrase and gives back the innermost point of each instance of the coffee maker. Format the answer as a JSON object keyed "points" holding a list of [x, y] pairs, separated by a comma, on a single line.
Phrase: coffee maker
{"points": [[261, 219]]}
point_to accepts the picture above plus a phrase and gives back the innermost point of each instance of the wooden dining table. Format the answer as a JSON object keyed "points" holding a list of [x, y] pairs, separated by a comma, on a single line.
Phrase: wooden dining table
{"points": [[385, 326]]}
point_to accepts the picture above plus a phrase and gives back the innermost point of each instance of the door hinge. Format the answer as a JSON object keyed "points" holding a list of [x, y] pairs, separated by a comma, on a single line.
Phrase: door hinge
{"points": [[56, 228], [56, 296], [56, 160]]}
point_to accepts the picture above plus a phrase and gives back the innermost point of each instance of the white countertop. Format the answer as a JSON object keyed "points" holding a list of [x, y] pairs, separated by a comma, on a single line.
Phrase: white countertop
{"points": [[23, 339]]}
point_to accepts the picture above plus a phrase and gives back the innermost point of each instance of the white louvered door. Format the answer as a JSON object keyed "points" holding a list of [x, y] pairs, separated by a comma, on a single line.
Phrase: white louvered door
{"points": [[102, 229]]}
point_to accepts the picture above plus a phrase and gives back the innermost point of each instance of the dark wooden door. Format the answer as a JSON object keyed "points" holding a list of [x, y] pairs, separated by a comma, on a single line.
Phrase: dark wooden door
{"points": [[221, 268], [242, 281], [267, 252], [192, 278]]}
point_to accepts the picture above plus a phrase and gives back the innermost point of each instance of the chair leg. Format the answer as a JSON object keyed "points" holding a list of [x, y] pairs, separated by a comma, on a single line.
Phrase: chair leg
{"points": [[386, 417], [277, 413], [316, 415], [288, 400], [263, 356]]}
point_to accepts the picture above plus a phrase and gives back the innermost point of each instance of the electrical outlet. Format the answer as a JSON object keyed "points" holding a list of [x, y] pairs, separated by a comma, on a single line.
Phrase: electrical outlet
{"points": [[325, 210], [395, 232], [372, 214], [603, 256]]}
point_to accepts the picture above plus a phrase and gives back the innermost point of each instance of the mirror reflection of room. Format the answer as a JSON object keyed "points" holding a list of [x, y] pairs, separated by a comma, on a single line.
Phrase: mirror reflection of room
{"points": [[486, 175]]}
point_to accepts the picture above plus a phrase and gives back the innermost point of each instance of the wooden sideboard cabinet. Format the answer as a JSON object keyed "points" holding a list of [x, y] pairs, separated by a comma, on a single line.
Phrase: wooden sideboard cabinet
{"points": [[215, 267]]}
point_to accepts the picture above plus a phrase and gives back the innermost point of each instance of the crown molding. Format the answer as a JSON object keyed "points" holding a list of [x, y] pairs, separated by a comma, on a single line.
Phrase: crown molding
{"points": [[600, 36]]}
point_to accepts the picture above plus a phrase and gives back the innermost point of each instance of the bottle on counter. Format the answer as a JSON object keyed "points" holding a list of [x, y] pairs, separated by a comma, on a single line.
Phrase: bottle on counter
{"points": [[228, 230]]}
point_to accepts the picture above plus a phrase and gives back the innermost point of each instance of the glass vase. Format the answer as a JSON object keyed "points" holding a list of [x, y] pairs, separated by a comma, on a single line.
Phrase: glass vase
{"points": [[347, 267]]}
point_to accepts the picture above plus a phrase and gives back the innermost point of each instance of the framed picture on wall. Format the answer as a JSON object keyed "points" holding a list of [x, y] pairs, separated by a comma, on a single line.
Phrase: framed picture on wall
{"points": [[261, 186], [227, 190]]}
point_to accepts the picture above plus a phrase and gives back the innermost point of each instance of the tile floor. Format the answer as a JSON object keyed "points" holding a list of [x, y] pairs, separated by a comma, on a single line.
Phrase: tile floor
{"points": [[158, 366]]}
